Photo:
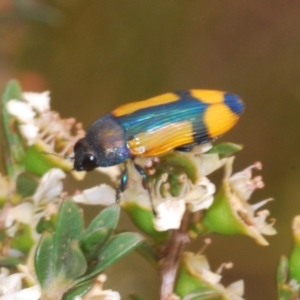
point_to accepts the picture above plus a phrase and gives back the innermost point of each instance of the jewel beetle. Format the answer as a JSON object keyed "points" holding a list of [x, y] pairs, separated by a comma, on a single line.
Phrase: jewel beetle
{"points": [[156, 126]]}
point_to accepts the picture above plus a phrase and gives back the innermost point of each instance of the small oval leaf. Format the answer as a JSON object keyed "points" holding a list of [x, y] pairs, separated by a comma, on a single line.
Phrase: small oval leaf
{"points": [[68, 229], [107, 218], [44, 264], [117, 247]]}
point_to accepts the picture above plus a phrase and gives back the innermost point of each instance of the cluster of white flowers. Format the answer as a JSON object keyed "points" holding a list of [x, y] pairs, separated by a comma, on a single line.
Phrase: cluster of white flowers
{"points": [[169, 209], [39, 124], [26, 111], [193, 196]]}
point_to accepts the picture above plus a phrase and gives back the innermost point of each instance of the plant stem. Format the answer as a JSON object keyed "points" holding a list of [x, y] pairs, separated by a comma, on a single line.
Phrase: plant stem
{"points": [[171, 257]]}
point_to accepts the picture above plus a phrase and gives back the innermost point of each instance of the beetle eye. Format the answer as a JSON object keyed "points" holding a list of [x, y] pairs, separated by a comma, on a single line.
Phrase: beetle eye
{"points": [[89, 163]]}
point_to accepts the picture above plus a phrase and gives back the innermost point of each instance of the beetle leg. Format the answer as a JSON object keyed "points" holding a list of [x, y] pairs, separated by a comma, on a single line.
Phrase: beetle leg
{"points": [[124, 180], [145, 183], [123, 183]]}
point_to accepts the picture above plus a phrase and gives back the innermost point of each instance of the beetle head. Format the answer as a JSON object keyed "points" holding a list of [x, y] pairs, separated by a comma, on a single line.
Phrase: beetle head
{"points": [[84, 158]]}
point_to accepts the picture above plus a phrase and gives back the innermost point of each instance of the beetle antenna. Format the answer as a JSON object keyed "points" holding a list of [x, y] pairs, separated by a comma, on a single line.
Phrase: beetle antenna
{"points": [[58, 155]]}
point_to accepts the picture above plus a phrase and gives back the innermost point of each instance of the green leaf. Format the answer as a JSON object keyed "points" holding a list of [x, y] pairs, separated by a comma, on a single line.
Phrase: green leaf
{"points": [[13, 90], [69, 228], [26, 184], [225, 149], [9, 261], [99, 231], [73, 263], [78, 290], [13, 148], [117, 247], [108, 218], [23, 239], [120, 245], [44, 264], [294, 263], [282, 270], [59, 259], [93, 242], [46, 224]]}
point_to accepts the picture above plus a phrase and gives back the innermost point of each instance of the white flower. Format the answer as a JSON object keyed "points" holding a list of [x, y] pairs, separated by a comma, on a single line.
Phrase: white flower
{"points": [[241, 186], [39, 101], [50, 186], [43, 128], [98, 195], [21, 110], [198, 268], [201, 197], [43, 203], [242, 182], [29, 132], [169, 214], [175, 180], [11, 287], [232, 201], [11, 283]]}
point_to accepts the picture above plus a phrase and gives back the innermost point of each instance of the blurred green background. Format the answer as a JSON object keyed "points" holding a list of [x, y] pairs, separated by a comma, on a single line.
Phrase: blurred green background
{"points": [[97, 54]]}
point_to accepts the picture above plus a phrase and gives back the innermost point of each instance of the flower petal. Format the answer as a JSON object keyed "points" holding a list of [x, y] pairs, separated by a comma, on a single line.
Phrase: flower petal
{"points": [[243, 184], [210, 163], [29, 132], [22, 213], [11, 283], [50, 186], [201, 196], [21, 110], [237, 288], [4, 272], [31, 293], [98, 195], [253, 232], [39, 101], [169, 214]]}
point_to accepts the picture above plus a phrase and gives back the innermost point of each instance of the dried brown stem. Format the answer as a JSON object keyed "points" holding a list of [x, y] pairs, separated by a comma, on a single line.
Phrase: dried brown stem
{"points": [[171, 257]]}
